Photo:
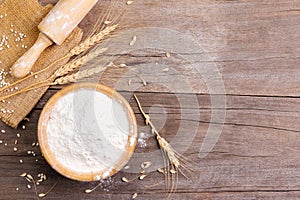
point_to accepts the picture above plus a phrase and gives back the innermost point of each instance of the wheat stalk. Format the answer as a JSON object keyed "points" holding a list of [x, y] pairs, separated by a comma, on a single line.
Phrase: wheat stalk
{"points": [[174, 159], [60, 81], [77, 50], [161, 141], [63, 71]]}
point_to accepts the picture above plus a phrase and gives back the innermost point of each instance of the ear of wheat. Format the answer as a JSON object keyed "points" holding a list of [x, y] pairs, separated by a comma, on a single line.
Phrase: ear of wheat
{"points": [[78, 75], [69, 67], [92, 41], [61, 75], [75, 64], [77, 50], [174, 162]]}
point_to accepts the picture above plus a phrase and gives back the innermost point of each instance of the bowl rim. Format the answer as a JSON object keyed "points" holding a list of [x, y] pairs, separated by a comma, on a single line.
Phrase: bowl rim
{"points": [[48, 154]]}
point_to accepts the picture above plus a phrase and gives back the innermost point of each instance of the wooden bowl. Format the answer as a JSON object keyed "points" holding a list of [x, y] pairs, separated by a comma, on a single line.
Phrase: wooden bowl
{"points": [[105, 171]]}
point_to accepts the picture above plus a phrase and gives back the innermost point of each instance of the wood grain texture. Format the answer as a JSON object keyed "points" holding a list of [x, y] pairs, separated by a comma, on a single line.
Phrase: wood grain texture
{"points": [[254, 44]]}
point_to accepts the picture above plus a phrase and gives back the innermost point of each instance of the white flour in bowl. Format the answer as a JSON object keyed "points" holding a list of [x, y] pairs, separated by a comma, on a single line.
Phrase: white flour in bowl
{"points": [[87, 131]]}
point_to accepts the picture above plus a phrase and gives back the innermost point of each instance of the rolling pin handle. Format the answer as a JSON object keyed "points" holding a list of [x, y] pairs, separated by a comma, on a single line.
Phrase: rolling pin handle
{"points": [[25, 63]]}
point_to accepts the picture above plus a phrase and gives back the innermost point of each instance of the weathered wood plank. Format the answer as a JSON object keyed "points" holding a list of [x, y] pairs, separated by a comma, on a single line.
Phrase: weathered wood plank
{"points": [[238, 36], [246, 158], [251, 42]]}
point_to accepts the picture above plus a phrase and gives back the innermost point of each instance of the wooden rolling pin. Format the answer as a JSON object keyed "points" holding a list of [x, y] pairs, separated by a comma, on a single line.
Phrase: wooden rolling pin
{"points": [[55, 27]]}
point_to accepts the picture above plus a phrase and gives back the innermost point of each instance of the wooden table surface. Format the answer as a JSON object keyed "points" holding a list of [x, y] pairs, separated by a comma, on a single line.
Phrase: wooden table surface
{"points": [[233, 72]]}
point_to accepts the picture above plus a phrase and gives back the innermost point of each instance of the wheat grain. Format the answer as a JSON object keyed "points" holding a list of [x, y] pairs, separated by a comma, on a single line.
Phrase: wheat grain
{"points": [[129, 2], [124, 179], [161, 170], [142, 176], [23, 174], [168, 55], [133, 41], [134, 196], [41, 195]]}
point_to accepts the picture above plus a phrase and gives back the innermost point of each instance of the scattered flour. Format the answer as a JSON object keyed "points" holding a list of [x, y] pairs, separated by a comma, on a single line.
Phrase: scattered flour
{"points": [[88, 131], [142, 139]]}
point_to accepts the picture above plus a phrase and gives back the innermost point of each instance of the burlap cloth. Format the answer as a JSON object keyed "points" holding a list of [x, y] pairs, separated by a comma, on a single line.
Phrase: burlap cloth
{"points": [[23, 16]]}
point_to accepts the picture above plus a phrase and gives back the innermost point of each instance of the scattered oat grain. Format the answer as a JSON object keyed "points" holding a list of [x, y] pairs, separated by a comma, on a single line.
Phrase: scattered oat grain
{"points": [[142, 177], [166, 70], [133, 41], [134, 196], [29, 176], [23, 175], [129, 2], [42, 195], [124, 179], [168, 55], [88, 191]]}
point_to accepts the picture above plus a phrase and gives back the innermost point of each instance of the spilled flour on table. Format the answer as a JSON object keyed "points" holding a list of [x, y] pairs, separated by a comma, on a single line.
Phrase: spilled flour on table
{"points": [[88, 131], [142, 139]]}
